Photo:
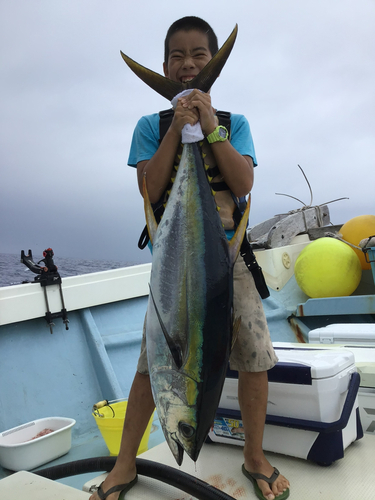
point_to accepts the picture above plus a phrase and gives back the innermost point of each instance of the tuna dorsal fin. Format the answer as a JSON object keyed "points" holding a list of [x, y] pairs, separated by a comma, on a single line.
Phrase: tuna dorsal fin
{"points": [[236, 241], [152, 225], [173, 347], [203, 81]]}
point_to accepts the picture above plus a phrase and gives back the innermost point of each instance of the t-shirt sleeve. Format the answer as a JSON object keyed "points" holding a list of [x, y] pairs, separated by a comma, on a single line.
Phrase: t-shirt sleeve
{"points": [[241, 138], [145, 140]]}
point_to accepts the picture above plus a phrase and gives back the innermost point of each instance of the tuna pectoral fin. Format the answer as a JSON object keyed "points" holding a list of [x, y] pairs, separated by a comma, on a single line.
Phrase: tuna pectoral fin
{"points": [[152, 225], [173, 347], [239, 235]]}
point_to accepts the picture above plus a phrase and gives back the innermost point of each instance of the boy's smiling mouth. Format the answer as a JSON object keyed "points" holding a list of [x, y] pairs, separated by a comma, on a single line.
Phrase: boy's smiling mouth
{"points": [[185, 79]]}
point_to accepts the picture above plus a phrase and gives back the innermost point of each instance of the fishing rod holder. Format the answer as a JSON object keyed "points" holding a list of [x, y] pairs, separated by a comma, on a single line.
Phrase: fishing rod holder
{"points": [[47, 275]]}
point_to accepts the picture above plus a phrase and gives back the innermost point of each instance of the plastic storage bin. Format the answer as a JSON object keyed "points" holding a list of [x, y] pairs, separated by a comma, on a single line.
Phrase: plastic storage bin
{"points": [[19, 451]]}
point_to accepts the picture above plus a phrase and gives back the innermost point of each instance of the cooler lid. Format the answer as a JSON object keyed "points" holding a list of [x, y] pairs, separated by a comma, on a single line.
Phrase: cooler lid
{"points": [[344, 332], [322, 363]]}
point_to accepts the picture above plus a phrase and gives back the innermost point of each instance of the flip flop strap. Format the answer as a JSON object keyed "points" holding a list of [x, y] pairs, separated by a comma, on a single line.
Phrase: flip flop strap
{"points": [[103, 495], [268, 480]]}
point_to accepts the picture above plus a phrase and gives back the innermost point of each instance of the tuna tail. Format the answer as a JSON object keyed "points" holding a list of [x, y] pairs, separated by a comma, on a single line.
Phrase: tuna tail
{"points": [[203, 81], [236, 242]]}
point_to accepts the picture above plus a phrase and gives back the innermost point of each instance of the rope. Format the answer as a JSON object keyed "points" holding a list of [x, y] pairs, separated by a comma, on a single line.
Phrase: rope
{"points": [[337, 237]]}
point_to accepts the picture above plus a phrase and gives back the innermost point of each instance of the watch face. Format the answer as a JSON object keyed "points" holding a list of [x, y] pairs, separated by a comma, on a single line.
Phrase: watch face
{"points": [[222, 132]]}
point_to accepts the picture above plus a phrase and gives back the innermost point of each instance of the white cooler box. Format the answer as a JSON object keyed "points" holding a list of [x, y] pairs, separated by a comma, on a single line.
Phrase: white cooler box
{"points": [[345, 333], [312, 410]]}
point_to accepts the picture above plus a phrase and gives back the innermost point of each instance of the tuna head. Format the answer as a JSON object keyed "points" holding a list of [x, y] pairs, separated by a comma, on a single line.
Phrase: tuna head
{"points": [[176, 397]]}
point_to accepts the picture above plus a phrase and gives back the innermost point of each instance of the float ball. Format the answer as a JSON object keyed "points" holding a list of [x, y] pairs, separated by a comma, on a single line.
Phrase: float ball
{"points": [[358, 229], [327, 268]]}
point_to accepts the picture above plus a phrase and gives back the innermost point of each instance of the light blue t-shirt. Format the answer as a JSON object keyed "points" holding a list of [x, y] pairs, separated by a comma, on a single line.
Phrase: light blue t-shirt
{"points": [[146, 136]]}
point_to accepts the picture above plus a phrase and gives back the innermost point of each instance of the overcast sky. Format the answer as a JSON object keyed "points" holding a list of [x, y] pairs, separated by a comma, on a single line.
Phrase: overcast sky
{"points": [[302, 72]]}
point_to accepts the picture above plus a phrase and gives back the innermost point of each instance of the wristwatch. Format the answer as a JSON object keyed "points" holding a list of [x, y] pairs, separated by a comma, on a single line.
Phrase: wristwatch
{"points": [[220, 134]]}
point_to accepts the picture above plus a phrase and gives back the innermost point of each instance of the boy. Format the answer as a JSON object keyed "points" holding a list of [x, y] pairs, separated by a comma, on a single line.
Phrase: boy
{"points": [[190, 44]]}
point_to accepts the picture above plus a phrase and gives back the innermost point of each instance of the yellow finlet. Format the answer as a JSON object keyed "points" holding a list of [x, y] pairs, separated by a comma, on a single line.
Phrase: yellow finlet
{"points": [[239, 235], [236, 330], [152, 225]]}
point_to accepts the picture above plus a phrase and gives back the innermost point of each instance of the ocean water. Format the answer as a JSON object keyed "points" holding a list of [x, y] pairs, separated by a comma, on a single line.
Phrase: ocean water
{"points": [[13, 272]]}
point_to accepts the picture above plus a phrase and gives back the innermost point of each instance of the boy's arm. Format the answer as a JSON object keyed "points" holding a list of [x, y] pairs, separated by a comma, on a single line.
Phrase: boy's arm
{"points": [[158, 169], [237, 170]]}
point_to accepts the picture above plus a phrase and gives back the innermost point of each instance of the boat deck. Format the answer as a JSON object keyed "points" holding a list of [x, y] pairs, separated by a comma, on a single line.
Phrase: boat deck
{"points": [[220, 466]]}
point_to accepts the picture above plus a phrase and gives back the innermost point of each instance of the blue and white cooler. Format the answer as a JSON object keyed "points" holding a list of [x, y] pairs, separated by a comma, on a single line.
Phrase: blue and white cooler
{"points": [[312, 410]]}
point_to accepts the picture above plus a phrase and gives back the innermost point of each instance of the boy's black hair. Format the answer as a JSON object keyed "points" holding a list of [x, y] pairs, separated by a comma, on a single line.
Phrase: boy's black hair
{"points": [[189, 23]]}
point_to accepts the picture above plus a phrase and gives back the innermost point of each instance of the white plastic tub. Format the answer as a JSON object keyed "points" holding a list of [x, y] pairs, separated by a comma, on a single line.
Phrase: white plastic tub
{"points": [[19, 451]]}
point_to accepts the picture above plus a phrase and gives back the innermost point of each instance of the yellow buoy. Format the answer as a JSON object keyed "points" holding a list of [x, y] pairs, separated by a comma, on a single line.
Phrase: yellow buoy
{"points": [[327, 268], [358, 229]]}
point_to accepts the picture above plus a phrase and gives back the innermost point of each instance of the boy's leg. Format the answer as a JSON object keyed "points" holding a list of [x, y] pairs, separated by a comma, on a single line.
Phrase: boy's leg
{"points": [[138, 413], [252, 396]]}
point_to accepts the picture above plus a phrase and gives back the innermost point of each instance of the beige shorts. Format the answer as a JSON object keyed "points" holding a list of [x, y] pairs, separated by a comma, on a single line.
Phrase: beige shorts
{"points": [[253, 350]]}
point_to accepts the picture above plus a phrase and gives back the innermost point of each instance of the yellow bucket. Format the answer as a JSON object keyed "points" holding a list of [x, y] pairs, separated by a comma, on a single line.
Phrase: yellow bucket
{"points": [[111, 423]]}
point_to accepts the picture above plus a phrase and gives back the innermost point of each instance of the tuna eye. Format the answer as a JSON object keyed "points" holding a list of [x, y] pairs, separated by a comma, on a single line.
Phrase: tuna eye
{"points": [[187, 430]]}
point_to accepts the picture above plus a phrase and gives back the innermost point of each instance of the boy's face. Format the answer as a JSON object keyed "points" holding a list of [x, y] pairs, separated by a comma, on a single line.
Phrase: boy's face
{"points": [[188, 55]]}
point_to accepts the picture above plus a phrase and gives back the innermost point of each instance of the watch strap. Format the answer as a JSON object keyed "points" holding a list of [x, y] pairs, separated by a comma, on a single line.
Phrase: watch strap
{"points": [[220, 134]]}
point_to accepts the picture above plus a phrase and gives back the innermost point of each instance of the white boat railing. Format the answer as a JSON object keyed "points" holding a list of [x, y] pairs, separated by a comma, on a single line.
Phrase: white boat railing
{"points": [[27, 301]]}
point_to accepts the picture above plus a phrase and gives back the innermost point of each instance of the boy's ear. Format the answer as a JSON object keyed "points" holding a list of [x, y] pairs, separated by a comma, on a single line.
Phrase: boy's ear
{"points": [[165, 70]]}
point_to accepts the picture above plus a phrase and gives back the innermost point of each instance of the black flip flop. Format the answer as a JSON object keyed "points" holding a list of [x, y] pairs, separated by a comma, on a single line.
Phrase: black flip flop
{"points": [[253, 476], [122, 488]]}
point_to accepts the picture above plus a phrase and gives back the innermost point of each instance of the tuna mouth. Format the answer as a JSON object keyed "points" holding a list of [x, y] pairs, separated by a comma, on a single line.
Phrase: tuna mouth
{"points": [[180, 453]]}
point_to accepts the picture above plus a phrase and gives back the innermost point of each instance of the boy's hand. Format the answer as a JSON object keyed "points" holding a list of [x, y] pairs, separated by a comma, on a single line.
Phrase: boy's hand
{"points": [[201, 103], [182, 116]]}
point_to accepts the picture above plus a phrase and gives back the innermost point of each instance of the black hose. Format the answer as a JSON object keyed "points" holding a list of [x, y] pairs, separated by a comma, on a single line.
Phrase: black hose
{"points": [[185, 482]]}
